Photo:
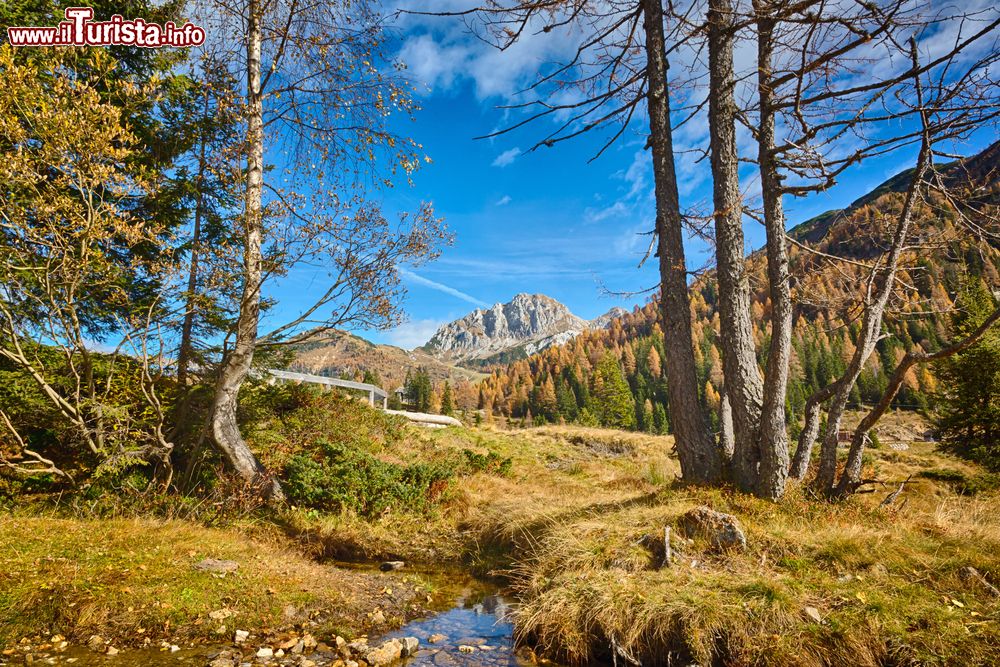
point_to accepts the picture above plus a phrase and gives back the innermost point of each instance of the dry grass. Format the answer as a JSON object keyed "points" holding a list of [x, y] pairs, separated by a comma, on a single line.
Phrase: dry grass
{"points": [[565, 526], [128, 580]]}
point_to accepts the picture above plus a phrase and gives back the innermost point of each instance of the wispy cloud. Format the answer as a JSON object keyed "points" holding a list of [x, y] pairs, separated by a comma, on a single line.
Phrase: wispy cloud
{"points": [[413, 334], [441, 287], [503, 201], [617, 210], [507, 157]]}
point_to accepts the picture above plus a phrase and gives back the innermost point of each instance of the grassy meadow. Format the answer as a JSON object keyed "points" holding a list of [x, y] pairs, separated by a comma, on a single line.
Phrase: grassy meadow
{"points": [[562, 514]]}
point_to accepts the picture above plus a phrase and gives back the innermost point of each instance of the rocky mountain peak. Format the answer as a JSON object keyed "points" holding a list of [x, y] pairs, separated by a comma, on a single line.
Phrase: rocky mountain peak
{"points": [[484, 332]]}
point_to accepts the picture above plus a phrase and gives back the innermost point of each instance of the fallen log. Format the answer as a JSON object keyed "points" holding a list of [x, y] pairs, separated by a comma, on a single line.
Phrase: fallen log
{"points": [[426, 419]]}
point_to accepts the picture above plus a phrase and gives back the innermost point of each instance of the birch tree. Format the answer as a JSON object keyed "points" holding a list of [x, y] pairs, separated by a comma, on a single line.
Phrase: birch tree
{"points": [[319, 91]]}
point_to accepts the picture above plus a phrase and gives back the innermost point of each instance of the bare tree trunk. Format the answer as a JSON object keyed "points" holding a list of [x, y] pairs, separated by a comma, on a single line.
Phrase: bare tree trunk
{"points": [[739, 364], [236, 365], [851, 476], [187, 327], [699, 457], [807, 438], [773, 436], [870, 328]]}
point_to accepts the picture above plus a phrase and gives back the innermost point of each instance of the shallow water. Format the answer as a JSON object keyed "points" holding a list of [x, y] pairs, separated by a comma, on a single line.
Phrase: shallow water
{"points": [[473, 614], [478, 620]]}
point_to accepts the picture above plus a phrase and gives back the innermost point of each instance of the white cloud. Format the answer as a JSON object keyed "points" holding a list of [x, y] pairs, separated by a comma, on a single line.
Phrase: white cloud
{"points": [[413, 333], [442, 51], [634, 241], [503, 201], [440, 287], [432, 64], [507, 157]]}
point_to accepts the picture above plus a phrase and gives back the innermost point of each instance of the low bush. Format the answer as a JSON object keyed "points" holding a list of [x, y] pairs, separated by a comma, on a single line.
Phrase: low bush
{"points": [[961, 483], [491, 462], [342, 478]]}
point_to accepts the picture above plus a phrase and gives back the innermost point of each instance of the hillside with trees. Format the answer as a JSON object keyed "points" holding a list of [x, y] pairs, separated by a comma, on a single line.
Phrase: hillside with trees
{"points": [[558, 385]]}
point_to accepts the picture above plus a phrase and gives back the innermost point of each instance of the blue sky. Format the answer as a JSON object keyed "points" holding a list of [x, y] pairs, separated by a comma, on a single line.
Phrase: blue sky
{"points": [[545, 221]]}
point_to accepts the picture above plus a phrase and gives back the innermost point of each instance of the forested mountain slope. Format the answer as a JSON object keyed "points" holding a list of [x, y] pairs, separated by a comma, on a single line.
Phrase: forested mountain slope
{"points": [[570, 382]]}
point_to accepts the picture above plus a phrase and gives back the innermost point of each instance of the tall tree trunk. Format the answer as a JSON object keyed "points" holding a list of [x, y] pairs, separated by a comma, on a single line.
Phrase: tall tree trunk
{"points": [[699, 457], [871, 327], [773, 436], [236, 365], [739, 363], [191, 302]]}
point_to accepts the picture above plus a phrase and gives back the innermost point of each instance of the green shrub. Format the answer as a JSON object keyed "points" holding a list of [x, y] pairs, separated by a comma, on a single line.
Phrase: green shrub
{"points": [[348, 479], [283, 420], [873, 440], [962, 484], [489, 463]]}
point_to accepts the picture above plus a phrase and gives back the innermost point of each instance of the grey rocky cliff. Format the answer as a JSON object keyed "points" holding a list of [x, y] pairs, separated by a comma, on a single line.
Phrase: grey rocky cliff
{"points": [[530, 321]]}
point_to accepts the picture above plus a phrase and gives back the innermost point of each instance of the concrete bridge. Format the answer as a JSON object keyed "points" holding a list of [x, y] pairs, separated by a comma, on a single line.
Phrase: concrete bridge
{"points": [[374, 393]]}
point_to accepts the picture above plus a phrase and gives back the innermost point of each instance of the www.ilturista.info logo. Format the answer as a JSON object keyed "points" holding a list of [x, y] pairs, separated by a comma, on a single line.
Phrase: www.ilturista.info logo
{"points": [[79, 30]]}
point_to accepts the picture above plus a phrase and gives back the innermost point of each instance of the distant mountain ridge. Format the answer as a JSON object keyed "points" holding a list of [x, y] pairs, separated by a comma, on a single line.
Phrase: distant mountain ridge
{"points": [[980, 169], [527, 324], [343, 354], [458, 351]]}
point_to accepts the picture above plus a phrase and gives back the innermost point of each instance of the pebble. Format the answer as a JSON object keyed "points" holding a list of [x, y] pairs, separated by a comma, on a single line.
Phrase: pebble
{"points": [[410, 646], [435, 638], [813, 614], [465, 648], [265, 652], [241, 636]]}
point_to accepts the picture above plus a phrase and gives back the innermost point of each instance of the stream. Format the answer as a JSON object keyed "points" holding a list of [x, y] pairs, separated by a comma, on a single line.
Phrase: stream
{"points": [[470, 631], [477, 621]]}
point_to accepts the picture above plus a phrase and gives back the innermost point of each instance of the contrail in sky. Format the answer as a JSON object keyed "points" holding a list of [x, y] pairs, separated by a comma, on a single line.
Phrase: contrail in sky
{"points": [[410, 275]]}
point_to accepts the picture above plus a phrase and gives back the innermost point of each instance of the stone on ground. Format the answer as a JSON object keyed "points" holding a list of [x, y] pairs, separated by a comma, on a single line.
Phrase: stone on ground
{"points": [[217, 565], [722, 531], [386, 654]]}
